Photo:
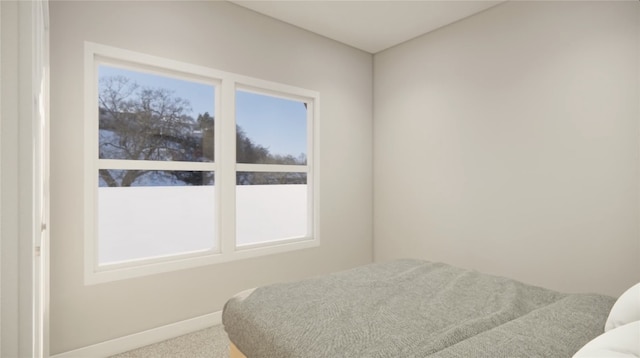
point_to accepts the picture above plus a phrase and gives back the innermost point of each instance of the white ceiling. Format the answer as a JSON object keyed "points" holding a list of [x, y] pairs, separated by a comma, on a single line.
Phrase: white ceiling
{"points": [[371, 26]]}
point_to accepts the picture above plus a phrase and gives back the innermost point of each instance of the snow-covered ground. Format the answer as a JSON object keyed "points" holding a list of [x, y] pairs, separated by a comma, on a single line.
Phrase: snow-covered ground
{"points": [[142, 222]]}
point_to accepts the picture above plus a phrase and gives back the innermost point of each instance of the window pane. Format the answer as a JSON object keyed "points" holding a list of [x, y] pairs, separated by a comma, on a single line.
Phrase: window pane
{"points": [[120, 178], [270, 130], [148, 221], [273, 211], [146, 116]]}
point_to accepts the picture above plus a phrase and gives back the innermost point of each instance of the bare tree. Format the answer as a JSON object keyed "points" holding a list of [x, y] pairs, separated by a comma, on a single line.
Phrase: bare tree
{"points": [[144, 124]]}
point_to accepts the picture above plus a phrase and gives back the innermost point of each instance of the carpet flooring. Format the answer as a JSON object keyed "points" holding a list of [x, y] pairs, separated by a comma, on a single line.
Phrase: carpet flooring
{"points": [[207, 343]]}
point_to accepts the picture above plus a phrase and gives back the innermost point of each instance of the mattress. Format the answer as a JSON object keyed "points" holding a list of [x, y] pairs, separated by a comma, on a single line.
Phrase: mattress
{"points": [[412, 308]]}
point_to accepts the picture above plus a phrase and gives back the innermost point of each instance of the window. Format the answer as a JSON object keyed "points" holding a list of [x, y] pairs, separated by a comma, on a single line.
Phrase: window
{"points": [[271, 177], [156, 170], [189, 166]]}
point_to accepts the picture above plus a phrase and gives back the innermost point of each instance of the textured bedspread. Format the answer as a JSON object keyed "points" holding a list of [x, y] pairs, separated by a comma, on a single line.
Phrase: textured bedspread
{"points": [[412, 308]]}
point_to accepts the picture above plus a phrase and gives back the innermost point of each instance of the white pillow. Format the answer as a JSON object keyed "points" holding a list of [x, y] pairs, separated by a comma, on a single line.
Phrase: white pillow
{"points": [[625, 310], [623, 341]]}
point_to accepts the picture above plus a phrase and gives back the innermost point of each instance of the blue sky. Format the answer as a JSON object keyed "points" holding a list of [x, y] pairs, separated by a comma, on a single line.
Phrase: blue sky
{"points": [[275, 123]]}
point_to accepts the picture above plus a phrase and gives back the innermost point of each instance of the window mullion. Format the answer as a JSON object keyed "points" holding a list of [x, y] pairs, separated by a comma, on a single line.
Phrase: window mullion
{"points": [[155, 165], [279, 168], [227, 172]]}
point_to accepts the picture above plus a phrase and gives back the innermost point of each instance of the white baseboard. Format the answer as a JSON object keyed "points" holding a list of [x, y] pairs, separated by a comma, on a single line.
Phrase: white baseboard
{"points": [[145, 338]]}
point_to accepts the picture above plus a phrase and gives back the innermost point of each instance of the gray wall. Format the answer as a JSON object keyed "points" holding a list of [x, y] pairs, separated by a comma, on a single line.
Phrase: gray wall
{"points": [[226, 37], [508, 143]]}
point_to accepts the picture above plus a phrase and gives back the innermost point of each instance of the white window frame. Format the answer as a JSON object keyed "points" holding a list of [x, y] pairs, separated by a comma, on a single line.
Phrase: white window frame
{"points": [[224, 166]]}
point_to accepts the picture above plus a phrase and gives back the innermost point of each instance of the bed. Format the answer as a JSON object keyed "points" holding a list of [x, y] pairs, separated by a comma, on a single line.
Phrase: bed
{"points": [[411, 308]]}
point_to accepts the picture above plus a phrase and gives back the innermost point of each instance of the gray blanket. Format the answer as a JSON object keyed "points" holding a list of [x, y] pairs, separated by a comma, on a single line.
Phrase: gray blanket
{"points": [[412, 308]]}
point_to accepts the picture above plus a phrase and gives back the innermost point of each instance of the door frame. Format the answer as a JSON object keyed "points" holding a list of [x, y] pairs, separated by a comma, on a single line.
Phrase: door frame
{"points": [[24, 173]]}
